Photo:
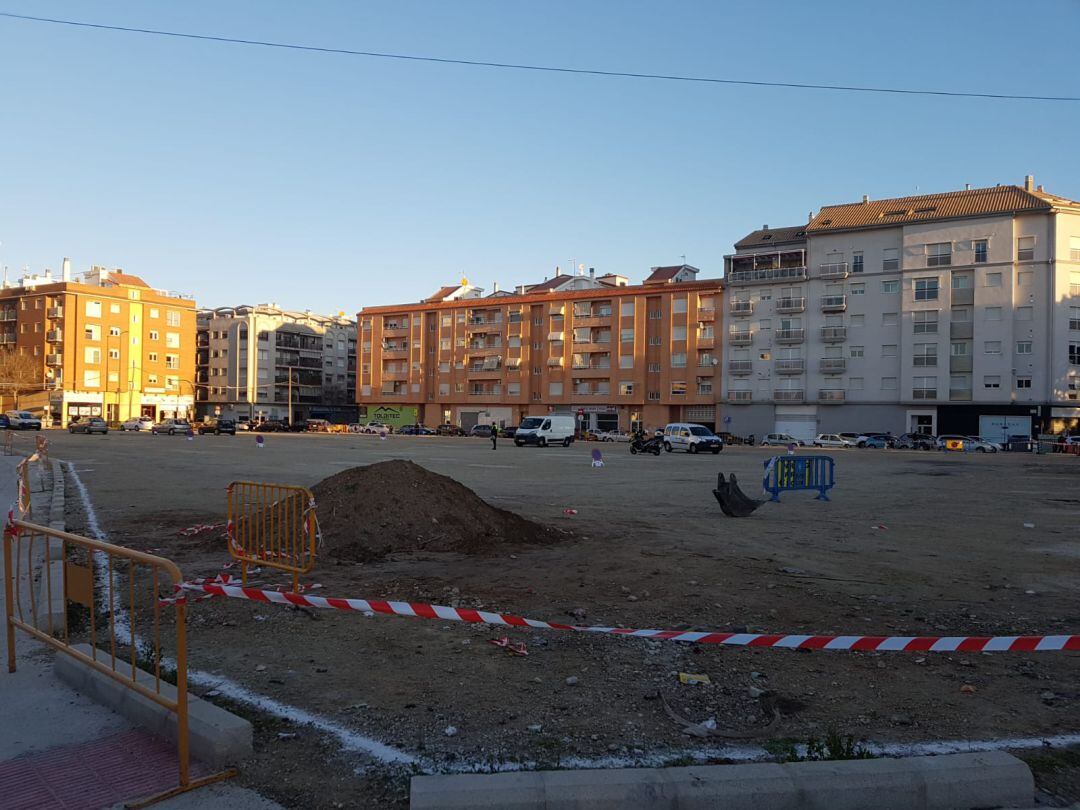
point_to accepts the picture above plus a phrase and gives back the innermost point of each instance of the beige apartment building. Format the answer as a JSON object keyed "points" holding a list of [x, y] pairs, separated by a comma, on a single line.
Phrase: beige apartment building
{"points": [[617, 355], [105, 344]]}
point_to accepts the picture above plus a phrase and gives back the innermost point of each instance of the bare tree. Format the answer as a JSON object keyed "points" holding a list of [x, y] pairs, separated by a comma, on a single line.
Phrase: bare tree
{"points": [[19, 374]]}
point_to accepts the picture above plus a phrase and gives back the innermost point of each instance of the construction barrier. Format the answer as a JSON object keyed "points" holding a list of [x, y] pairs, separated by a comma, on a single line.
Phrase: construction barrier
{"points": [[79, 571], [954, 444], [222, 587], [795, 473], [23, 501], [272, 525], [9, 442]]}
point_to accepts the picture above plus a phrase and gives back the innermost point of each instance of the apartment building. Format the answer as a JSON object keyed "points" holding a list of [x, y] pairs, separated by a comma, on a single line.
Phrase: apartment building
{"points": [[265, 362], [945, 313], [616, 355], [107, 344]]}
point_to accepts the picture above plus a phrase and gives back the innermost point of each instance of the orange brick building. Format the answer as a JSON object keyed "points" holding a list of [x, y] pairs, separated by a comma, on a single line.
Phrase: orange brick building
{"points": [[107, 345], [618, 355]]}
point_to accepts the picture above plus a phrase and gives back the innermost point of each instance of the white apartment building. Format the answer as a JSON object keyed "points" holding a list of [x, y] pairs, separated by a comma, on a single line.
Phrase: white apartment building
{"points": [[942, 313], [256, 361]]}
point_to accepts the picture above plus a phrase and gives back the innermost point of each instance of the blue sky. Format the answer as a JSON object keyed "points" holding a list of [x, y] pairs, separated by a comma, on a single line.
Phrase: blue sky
{"points": [[329, 183]]}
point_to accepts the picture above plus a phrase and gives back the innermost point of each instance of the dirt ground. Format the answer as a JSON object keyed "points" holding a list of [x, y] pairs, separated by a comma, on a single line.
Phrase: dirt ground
{"points": [[912, 543]]}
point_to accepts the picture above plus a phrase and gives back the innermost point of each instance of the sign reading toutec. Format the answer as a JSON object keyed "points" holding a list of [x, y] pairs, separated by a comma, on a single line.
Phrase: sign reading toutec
{"points": [[395, 417]]}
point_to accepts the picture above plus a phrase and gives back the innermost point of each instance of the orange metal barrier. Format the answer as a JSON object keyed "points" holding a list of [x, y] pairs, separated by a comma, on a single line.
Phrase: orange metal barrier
{"points": [[272, 525], [23, 501], [91, 578]]}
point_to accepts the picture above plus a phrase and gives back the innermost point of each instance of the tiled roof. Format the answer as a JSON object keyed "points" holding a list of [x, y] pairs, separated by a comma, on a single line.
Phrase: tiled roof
{"points": [[441, 293], [551, 283], [772, 236], [126, 279], [927, 207]]}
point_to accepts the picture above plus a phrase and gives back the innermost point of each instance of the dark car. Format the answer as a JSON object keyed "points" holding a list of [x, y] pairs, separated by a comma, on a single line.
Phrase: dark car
{"points": [[272, 426], [509, 431], [483, 431], [5, 423], [916, 441], [218, 426], [92, 424], [446, 429]]}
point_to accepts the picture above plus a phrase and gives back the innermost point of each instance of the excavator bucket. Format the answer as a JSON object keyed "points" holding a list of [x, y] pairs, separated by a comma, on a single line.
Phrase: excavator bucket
{"points": [[733, 501]]}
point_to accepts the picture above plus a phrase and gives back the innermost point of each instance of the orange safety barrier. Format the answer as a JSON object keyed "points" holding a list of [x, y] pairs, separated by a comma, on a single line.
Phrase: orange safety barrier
{"points": [[90, 579], [23, 500], [272, 525]]}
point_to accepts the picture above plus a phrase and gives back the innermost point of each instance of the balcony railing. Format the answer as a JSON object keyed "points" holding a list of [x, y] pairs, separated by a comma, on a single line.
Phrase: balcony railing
{"points": [[960, 394], [961, 330], [740, 397], [833, 303], [959, 363], [788, 305], [740, 337], [54, 359], [706, 314], [766, 274], [54, 336], [54, 312], [399, 392], [789, 395], [9, 315], [741, 307], [485, 392], [833, 365], [831, 396], [555, 361], [704, 390], [740, 366], [556, 336], [788, 366], [833, 334], [924, 393], [833, 270], [790, 335]]}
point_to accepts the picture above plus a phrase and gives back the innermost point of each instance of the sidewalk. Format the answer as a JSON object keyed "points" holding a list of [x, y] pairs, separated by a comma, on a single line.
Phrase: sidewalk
{"points": [[60, 750]]}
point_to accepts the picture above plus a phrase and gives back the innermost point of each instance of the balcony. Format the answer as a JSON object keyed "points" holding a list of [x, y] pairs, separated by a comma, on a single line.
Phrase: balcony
{"points": [[832, 365], [708, 314], [395, 328], [54, 312], [495, 391], [556, 336], [963, 296], [831, 396], [705, 341], [790, 305], [740, 367], [740, 337], [592, 319], [484, 371], [555, 362], [959, 363], [704, 390], [961, 330], [54, 336], [482, 325], [396, 392], [766, 274], [8, 339], [960, 395], [483, 348], [54, 359], [924, 393], [789, 335], [833, 334], [833, 303], [395, 351], [787, 366], [741, 307], [740, 397], [388, 374], [9, 315], [833, 270], [789, 395]]}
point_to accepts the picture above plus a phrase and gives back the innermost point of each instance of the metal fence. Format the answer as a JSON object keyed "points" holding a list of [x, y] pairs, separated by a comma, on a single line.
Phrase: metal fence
{"points": [[272, 525]]}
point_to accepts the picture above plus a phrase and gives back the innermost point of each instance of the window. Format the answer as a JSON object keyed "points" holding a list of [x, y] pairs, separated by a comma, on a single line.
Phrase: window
{"points": [[678, 305], [993, 279], [154, 312], [678, 333], [444, 367], [172, 317], [857, 351], [764, 294], [678, 360], [91, 379], [655, 314], [926, 289], [1023, 278], [513, 341], [172, 340], [1074, 317], [858, 320], [890, 259], [91, 355], [513, 389], [1074, 354], [626, 389], [888, 350], [1074, 248], [626, 308], [890, 287], [991, 381], [114, 309], [765, 324], [992, 346], [1023, 382], [91, 332], [855, 384], [654, 367], [1025, 248], [1024, 313], [993, 313], [626, 361], [858, 289], [925, 354], [888, 383], [152, 357], [172, 361], [444, 344], [678, 389], [1023, 347], [980, 246], [857, 261], [114, 331], [114, 354], [114, 377], [939, 254], [654, 341], [151, 379], [172, 382], [925, 322], [961, 281], [889, 319], [154, 335], [93, 309], [924, 388], [555, 389]]}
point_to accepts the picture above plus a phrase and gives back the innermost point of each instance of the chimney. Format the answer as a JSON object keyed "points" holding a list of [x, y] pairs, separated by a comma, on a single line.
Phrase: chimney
{"points": [[1039, 187], [494, 287], [967, 186], [520, 289], [65, 269], [865, 198], [1029, 183], [765, 227], [592, 272]]}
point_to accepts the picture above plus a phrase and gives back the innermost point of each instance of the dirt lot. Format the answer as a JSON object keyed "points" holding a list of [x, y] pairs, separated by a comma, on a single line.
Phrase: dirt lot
{"points": [[912, 543]]}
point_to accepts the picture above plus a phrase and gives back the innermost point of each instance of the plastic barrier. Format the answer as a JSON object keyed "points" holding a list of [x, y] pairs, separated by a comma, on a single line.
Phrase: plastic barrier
{"points": [[272, 525], [795, 473]]}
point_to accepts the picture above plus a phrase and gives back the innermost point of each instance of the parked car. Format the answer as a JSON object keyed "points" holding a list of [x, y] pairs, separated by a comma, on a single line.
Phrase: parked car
{"points": [[877, 442], [990, 447], [245, 424], [447, 429], [139, 423], [545, 430], [508, 432], [618, 436], [272, 426], [591, 435], [23, 420], [483, 431], [218, 426], [1066, 440], [691, 438], [886, 440], [5, 423], [916, 441], [171, 426], [780, 440], [91, 424], [832, 440], [376, 427], [970, 443]]}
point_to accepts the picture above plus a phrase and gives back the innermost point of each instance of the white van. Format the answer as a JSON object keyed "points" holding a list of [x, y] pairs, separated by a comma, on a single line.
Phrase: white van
{"points": [[545, 430], [23, 420], [691, 438]]}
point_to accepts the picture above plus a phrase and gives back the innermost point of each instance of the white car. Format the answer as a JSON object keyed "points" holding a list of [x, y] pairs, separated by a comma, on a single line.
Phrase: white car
{"points": [[984, 445], [139, 423], [375, 427], [832, 440], [780, 440], [614, 436]]}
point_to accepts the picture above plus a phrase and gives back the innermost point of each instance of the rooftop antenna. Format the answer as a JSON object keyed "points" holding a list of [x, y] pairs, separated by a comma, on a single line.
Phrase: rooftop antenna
{"points": [[684, 258]]}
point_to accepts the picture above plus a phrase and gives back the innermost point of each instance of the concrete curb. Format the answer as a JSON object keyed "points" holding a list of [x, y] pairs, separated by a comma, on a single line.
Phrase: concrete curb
{"points": [[950, 782], [216, 736]]}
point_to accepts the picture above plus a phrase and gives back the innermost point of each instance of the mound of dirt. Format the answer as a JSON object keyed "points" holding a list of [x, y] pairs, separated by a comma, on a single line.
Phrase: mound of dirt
{"points": [[366, 513]]}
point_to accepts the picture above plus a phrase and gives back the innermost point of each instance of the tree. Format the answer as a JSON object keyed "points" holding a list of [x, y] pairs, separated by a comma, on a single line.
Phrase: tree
{"points": [[19, 374]]}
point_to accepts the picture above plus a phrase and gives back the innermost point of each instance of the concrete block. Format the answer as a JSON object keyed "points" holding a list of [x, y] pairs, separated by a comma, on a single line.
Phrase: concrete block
{"points": [[51, 609], [951, 782], [217, 737]]}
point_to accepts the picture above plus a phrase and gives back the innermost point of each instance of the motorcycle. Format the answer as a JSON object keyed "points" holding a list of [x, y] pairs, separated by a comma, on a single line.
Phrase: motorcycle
{"points": [[640, 444]]}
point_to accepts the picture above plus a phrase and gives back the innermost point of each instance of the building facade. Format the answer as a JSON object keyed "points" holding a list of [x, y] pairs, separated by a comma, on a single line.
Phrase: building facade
{"points": [[942, 313], [263, 362], [106, 344], [616, 355]]}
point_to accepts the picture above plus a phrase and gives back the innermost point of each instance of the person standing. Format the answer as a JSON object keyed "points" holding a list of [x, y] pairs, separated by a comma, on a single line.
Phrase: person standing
{"points": [[494, 436]]}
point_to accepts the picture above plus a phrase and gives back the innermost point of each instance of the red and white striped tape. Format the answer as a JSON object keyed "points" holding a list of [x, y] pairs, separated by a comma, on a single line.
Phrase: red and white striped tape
{"points": [[862, 643]]}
